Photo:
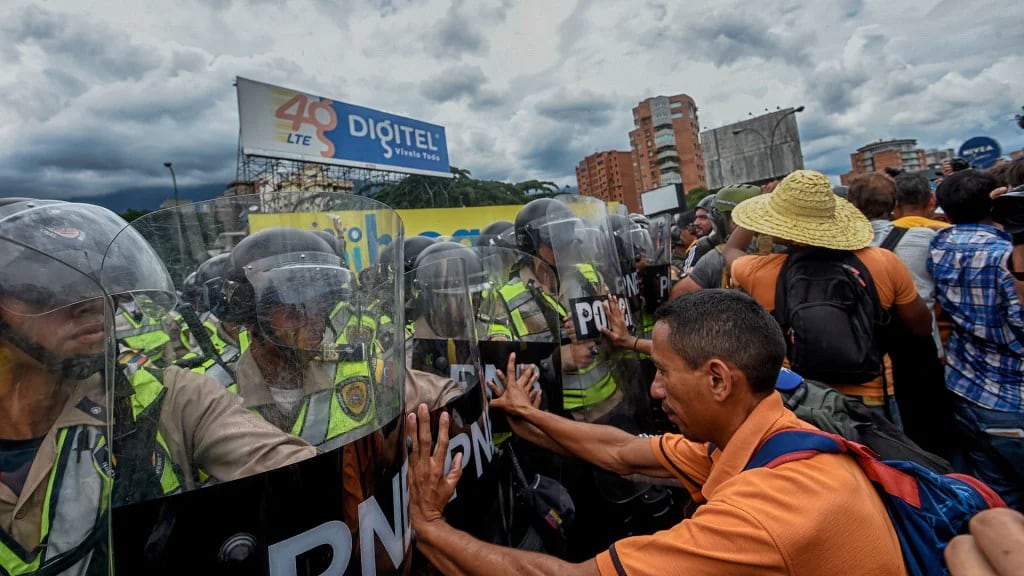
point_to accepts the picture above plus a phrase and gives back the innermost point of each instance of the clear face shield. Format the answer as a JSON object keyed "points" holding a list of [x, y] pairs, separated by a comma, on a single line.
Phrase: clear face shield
{"points": [[295, 294]]}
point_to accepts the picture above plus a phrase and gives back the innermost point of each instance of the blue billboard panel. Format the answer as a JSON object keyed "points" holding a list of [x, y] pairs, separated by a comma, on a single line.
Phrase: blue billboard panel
{"points": [[981, 152], [283, 123]]}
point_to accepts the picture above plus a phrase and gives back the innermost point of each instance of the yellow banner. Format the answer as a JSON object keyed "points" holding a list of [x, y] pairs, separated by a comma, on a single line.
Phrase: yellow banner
{"points": [[368, 232]]}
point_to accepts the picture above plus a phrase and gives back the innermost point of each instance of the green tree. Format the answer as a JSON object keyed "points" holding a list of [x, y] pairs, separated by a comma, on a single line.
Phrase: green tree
{"points": [[133, 213], [696, 195]]}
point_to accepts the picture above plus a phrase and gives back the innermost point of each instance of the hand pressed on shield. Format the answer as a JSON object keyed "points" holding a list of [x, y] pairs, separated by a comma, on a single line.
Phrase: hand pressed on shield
{"points": [[430, 488], [519, 394], [617, 331], [995, 546]]}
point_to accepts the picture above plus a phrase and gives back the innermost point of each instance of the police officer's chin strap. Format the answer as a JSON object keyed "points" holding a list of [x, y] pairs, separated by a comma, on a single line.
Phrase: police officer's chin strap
{"points": [[77, 367]]}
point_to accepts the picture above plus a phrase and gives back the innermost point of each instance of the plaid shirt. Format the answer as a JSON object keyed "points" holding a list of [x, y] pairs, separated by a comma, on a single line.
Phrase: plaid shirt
{"points": [[985, 356]]}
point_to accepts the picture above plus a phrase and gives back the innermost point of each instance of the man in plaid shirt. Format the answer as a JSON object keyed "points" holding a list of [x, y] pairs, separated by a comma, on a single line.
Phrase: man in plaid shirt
{"points": [[985, 356]]}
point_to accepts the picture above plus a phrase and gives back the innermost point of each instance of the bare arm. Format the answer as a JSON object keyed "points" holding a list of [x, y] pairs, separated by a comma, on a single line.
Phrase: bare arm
{"points": [[454, 552], [736, 247], [450, 550], [684, 287], [1017, 265], [604, 446], [915, 316]]}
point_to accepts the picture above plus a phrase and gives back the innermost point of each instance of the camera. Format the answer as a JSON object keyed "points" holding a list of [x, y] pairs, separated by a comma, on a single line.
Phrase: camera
{"points": [[1008, 210]]}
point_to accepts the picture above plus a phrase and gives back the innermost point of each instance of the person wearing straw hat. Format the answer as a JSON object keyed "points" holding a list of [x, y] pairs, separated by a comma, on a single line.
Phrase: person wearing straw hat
{"points": [[837, 346]]}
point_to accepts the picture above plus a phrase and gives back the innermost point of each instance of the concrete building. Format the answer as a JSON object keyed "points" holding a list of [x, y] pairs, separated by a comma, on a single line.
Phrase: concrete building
{"points": [[754, 151], [934, 156], [665, 144], [877, 156], [609, 176]]}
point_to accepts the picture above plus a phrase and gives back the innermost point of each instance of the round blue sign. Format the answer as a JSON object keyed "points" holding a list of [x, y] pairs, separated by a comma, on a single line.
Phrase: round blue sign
{"points": [[981, 152]]}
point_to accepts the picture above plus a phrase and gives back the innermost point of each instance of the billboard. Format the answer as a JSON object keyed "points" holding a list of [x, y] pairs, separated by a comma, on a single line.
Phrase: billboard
{"points": [[665, 199], [359, 228], [755, 150], [981, 152], [282, 123]]}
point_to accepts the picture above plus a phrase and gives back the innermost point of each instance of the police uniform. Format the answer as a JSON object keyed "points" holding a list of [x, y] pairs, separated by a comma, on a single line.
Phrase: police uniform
{"points": [[425, 387], [201, 424], [331, 404], [143, 335]]}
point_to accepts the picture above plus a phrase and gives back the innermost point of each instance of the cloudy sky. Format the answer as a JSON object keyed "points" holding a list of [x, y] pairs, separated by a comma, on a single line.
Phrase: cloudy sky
{"points": [[95, 96]]}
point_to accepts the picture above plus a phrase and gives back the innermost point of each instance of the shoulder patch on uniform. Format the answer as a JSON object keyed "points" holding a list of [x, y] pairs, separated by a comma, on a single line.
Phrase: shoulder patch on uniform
{"points": [[354, 397], [93, 409]]}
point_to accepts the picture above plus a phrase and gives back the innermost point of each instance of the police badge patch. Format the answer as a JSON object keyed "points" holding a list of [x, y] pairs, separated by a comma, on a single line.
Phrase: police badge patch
{"points": [[354, 398]]}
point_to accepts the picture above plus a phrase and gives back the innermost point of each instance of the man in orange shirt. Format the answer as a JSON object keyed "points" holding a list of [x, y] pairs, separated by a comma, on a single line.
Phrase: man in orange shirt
{"points": [[804, 213], [718, 355]]}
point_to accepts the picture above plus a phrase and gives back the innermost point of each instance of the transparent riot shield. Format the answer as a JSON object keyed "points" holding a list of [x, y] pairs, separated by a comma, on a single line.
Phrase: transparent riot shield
{"points": [[291, 459], [595, 377], [445, 374], [57, 300], [655, 265], [627, 256]]}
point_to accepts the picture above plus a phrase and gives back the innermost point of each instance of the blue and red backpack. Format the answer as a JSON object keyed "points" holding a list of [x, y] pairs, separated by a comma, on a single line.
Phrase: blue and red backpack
{"points": [[927, 509]]}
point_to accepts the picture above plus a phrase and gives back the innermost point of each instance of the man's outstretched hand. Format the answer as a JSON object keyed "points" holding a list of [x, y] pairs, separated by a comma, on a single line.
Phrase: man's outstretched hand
{"points": [[519, 393], [995, 546], [430, 488]]}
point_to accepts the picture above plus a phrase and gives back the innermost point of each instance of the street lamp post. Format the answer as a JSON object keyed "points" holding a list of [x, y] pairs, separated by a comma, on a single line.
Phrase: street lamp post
{"points": [[771, 143], [177, 216], [174, 181]]}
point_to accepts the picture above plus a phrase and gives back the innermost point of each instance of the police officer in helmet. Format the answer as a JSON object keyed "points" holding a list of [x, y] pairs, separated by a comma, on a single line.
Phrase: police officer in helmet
{"points": [[62, 266], [302, 371]]}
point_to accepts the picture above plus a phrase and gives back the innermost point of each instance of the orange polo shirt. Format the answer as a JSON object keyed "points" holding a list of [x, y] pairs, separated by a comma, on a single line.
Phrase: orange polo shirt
{"points": [[808, 517], [757, 276]]}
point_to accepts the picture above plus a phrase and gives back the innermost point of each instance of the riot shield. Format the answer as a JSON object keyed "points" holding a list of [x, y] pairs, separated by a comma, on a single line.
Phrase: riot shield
{"points": [[595, 380], [57, 299], [655, 262], [627, 255], [445, 374], [290, 460]]}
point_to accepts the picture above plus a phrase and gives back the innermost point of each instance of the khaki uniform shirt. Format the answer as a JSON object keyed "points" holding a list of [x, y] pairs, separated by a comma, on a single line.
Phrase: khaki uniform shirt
{"points": [[253, 389], [424, 387], [203, 425]]}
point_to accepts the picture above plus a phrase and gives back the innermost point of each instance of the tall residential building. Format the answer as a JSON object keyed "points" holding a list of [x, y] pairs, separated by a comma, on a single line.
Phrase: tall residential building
{"points": [[877, 156], [934, 156], [609, 176], [666, 143]]}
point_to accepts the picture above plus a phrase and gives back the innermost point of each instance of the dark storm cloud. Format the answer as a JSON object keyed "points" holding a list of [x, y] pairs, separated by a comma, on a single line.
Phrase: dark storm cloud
{"points": [[552, 155], [725, 37], [455, 35], [84, 46], [457, 83], [582, 109]]}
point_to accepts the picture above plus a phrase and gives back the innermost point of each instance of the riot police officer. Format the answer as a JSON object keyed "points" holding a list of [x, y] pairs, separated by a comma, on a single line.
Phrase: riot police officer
{"points": [[305, 371], [64, 270]]}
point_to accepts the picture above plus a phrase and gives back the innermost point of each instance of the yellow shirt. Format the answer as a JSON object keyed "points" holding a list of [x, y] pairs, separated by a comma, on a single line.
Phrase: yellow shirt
{"points": [[920, 222]]}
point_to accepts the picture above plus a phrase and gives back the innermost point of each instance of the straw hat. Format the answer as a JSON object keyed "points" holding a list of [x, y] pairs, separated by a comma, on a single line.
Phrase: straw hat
{"points": [[804, 209]]}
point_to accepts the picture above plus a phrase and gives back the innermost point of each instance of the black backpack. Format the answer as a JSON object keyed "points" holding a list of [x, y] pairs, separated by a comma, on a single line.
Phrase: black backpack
{"points": [[827, 306]]}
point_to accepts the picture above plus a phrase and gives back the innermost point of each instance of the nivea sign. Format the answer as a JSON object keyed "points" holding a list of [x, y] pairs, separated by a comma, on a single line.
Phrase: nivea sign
{"points": [[282, 123], [981, 152]]}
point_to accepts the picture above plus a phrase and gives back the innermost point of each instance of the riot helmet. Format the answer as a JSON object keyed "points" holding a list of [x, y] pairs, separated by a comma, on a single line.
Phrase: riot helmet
{"points": [[436, 280], [284, 283], [498, 234], [725, 200], [208, 279], [61, 266], [545, 222]]}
